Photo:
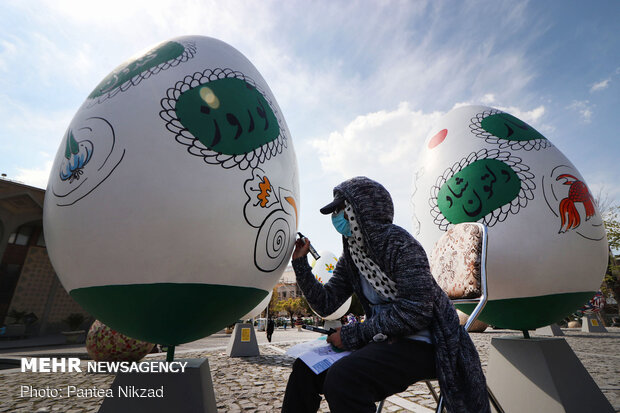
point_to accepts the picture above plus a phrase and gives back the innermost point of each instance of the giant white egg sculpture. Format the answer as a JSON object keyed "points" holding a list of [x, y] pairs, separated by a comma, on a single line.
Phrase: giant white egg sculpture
{"points": [[259, 308], [323, 270], [547, 247], [172, 204]]}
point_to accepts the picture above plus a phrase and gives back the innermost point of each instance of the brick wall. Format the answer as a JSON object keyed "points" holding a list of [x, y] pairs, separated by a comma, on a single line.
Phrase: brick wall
{"points": [[37, 284]]}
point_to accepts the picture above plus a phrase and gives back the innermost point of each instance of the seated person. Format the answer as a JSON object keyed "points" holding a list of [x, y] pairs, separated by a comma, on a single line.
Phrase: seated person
{"points": [[411, 331]]}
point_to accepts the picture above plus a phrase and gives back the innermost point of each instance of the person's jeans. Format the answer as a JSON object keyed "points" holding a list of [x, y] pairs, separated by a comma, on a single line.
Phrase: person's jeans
{"points": [[355, 382]]}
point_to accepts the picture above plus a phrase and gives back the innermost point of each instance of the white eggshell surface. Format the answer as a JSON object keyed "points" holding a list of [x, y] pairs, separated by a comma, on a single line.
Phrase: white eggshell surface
{"points": [[547, 248], [174, 192], [323, 270], [259, 308]]}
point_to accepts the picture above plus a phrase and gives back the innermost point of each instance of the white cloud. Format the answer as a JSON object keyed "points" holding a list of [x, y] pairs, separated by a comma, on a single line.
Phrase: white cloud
{"points": [[386, 143], [584, 108], [603, 84], [383, 143], [358, 64], [383, 146], [533, 116], [488, 98], [529, 116], [37, 176]]}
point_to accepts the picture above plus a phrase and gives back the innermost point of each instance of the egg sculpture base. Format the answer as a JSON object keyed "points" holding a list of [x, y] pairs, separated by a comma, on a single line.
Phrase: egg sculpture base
{"points": [[541, 375], [591, 323], [187, 392], [243, 341]]}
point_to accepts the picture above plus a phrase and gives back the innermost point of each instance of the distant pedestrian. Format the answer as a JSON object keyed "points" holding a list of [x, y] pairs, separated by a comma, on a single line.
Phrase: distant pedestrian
{"points": [[270, 326]]}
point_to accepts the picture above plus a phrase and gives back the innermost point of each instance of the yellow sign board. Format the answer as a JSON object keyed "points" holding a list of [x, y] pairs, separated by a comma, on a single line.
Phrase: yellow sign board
{"points": [[245, 335]]}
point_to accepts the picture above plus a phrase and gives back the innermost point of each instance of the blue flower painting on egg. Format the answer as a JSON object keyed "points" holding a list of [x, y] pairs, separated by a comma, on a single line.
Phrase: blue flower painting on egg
{"points": [[77, 155]]}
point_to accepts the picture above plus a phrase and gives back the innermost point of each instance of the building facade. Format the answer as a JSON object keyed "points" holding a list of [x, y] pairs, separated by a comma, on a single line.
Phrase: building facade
{"points": [[28, 283], [287, 285]]}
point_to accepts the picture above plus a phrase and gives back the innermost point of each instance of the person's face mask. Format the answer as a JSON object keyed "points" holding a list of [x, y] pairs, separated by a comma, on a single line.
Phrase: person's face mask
{"points": [[341, 224]]}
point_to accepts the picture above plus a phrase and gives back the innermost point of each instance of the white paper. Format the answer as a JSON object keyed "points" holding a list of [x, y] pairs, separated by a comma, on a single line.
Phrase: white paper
{"points": [[318, 354]]}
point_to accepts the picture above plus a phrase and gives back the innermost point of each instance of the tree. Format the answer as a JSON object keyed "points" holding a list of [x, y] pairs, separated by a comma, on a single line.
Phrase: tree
{"points": [[612, 225], [611, 282], [305, 307], [272, 308], [292, 306]]}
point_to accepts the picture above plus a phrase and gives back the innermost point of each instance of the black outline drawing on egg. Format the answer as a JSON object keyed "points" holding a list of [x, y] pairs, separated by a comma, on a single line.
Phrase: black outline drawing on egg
{"points": [[275, 216], [527, 145], [100, 134], [195, 147], [556, 189], [417, 224], [188, 53], [525, 193]]}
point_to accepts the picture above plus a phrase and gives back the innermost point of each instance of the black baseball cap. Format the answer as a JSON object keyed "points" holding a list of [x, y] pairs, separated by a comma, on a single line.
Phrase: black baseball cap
{"points": [[333, 206]]}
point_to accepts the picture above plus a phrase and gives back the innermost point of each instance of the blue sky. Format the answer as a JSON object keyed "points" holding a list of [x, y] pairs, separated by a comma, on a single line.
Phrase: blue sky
{"points": [[360, 83]]}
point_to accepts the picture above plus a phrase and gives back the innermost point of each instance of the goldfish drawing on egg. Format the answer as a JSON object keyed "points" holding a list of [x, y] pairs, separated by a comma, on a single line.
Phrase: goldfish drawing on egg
{"points": [[577, 193]]}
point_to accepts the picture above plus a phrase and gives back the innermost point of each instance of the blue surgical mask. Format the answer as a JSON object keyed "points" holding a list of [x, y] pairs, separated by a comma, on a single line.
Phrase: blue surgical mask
{"points": [[341, 224]]}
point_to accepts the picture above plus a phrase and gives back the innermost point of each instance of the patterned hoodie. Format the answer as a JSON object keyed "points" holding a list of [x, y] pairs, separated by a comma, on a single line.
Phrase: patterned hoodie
{"points": [[420, 303]]}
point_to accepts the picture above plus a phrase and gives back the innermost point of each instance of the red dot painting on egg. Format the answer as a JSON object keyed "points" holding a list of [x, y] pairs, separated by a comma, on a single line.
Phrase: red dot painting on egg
{"points": [[438, 138]]}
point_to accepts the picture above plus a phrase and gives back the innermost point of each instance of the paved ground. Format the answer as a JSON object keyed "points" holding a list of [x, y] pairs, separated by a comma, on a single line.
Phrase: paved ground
{"points": [[256, 384]]}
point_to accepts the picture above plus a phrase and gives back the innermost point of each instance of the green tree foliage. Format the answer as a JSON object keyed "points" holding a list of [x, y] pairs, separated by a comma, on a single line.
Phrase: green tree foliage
{"points": [[293, 306], [306, 310], [273, 303], [612, 225], [611, 282]]}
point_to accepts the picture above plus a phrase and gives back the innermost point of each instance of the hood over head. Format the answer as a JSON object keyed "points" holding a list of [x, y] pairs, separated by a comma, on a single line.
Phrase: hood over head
{"points": [[369, 199], [373, 207]]}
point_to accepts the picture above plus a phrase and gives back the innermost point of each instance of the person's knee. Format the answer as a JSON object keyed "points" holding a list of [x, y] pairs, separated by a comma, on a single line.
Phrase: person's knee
{"points": [[336, 382], [299, 365]]}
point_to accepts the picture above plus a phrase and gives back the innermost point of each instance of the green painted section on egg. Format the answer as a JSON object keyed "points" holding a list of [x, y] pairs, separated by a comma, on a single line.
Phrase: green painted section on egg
{"points": [[476, 190], [506, 126], [72, 147], [124, 72], [530, 313], [229, 116], [168, 313]]}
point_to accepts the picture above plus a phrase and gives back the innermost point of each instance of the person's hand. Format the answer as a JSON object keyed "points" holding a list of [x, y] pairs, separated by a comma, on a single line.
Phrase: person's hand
{"points": [[334, 339], [302, 246]]}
